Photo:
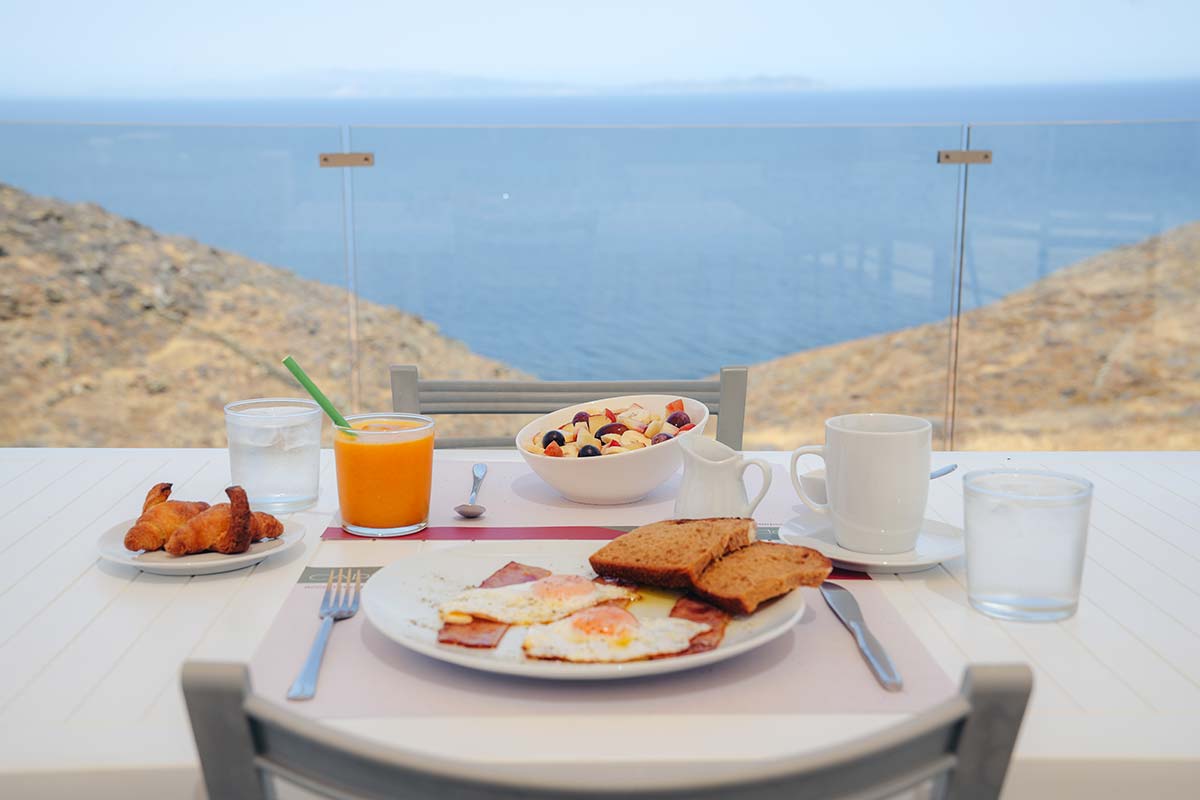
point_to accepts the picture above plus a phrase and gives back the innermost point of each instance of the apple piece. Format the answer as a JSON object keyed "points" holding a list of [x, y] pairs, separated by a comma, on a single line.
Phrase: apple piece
{"points": [[585, 437], [633, 440], [675, 405], [553, 450], [654, 428], [570, 450], [568, 435], [612, 417], [669, 429], [596, 422], [635, 417]]}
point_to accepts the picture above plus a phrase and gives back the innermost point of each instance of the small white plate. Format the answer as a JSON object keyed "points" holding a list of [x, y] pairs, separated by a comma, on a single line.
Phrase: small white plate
{"points": [[937, 542], [112, 548], [401, 601]]}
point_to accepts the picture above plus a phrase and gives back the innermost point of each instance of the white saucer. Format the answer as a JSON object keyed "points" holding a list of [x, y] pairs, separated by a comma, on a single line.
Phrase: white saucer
{"points": [[112, 548], [937, 542]]}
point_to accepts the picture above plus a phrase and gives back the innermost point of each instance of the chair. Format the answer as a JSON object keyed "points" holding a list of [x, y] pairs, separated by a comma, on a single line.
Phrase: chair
{"points": [[725, 397], [964, 745]]}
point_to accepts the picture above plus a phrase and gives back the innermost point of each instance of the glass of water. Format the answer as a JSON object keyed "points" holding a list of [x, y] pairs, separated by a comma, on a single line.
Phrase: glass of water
{"points": [[1026, 532], [275, 451]]}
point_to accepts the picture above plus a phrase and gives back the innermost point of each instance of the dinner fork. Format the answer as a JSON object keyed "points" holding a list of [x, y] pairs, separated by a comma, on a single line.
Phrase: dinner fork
{"points": [[338, 604]]}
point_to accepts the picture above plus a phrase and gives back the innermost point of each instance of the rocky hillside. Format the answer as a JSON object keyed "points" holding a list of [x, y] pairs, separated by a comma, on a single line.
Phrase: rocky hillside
{"points": [[1102, 355], [114, 335]]}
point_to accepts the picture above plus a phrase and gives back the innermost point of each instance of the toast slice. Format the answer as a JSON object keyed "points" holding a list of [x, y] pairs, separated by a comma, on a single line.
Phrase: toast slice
{"points": [[672, 553], [746, 578]]}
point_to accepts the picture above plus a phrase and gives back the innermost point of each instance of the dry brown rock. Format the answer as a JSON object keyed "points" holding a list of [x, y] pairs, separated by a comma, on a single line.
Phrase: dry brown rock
{"points": [[114, 335], [1102, 355]]}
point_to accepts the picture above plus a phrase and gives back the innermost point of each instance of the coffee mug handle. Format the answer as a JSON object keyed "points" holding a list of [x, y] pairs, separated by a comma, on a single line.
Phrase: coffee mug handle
{"points": [[815, 450], [766, 472]]}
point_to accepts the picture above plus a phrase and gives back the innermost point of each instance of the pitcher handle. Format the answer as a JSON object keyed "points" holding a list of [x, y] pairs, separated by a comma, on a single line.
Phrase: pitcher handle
{"points": [[815, 450], [766, 472]]}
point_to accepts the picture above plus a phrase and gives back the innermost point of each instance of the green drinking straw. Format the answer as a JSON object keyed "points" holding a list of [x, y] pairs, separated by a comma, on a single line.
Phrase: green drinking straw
{"points": [[316, 393]]}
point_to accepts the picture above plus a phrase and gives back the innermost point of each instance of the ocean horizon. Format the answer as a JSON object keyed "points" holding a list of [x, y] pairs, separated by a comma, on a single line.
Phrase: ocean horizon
{"points": [[603, 237]]}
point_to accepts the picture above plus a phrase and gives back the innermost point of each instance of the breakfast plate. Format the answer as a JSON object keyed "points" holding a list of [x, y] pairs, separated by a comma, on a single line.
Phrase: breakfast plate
{"points": [[401, 601], [112, 548], [937, 542]]}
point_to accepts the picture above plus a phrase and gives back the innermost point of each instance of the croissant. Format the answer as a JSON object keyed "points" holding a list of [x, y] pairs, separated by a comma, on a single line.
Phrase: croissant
{"points": [[226, 528], [160, 517]]}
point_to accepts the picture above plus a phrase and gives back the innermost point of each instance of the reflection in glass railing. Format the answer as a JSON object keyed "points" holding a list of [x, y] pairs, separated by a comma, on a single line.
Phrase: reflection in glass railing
{"points": [[154, 273], [642, 252], [1081, 286]]}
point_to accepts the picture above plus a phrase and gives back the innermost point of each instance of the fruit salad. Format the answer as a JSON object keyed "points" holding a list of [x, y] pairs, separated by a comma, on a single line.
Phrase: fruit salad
{"points": [[611, 431]]}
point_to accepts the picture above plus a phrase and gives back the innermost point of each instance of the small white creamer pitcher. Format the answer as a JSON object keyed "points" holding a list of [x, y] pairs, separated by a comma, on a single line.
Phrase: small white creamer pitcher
{"points": [[713, 481]]}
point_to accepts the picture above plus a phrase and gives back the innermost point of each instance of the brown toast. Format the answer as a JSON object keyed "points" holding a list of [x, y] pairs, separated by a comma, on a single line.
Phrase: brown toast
{"points": [[674, 552], [746, 578]]}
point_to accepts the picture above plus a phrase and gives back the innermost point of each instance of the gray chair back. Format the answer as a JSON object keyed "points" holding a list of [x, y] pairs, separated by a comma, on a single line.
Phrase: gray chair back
{"points": [[963, 745], [725, 397]]}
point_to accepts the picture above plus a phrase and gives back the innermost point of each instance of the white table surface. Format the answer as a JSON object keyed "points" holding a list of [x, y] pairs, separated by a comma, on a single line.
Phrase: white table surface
{"points": [[90, 652]]}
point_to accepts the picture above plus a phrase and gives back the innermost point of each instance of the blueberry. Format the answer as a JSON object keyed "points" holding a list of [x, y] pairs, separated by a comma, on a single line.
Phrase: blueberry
{"points": [[553, 436], [589, 450]]}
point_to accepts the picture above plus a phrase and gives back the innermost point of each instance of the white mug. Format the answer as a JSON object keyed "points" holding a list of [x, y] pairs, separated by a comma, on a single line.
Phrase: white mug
{"points": [[876, 480]]}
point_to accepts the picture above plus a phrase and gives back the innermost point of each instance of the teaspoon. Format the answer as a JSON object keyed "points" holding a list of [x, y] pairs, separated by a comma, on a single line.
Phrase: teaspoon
{"points": [[469, 509]]}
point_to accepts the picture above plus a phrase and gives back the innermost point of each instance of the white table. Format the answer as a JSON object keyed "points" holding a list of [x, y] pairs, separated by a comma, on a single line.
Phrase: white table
{"points": [[90, 653]]}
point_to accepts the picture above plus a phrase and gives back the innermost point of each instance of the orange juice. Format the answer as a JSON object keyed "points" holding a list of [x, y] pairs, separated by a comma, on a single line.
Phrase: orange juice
{"points": [[384, 473]]}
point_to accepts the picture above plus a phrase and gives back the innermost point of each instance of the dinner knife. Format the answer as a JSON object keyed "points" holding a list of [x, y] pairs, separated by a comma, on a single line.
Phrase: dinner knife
{"points": [[847, 610]]}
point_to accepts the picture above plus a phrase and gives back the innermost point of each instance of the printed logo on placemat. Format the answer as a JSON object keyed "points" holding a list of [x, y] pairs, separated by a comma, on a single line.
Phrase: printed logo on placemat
{"points": [[321, 574]]}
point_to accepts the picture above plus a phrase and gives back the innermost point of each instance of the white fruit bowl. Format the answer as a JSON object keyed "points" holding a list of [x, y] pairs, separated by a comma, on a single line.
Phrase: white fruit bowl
{"points": [[618, 478]]}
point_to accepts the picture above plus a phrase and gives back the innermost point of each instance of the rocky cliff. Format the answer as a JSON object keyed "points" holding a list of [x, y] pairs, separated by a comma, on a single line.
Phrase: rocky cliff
{"points": [[114, 335], [1102, 355]]}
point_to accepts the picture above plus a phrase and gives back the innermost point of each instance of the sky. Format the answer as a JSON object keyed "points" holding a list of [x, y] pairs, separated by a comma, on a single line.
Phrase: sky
{"points": [[222, 47]]}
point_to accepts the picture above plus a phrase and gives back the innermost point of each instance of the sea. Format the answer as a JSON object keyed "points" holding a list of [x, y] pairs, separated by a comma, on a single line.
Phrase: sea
{"points": [[642, 236]]}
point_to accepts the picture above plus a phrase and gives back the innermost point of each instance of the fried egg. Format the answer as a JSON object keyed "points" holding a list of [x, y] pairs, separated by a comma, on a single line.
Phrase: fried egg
{"points": [[543, 600], [609, 633]]}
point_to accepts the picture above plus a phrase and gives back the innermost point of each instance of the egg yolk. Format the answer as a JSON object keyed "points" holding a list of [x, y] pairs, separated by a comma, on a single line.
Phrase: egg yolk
{"points": [[612, 622], [560, 587]]}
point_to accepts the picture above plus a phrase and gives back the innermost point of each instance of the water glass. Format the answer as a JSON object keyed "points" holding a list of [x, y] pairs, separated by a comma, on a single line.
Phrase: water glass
{"points": [[1026, 533], [275, 451]]}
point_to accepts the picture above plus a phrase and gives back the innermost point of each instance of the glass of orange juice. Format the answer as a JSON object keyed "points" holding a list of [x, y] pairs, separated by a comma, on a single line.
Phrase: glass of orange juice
{"points": [[384, 473]]}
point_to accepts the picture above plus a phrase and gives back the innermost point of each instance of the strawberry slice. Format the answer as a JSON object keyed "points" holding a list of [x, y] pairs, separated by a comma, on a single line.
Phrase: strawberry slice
{"points": [[611, 416], [674, 405]]}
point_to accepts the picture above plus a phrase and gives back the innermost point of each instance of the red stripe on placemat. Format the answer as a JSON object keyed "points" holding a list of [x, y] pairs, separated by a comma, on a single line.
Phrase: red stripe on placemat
{"points": [[463, 533], [846, 575]]}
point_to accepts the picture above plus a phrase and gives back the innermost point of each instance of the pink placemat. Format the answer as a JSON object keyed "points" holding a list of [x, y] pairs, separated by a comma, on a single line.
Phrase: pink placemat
{"points": [[813, 669]]}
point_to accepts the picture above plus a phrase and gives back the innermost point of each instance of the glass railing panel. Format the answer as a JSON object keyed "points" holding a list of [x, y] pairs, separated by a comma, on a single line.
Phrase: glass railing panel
{"points": [[154, 273], [1081, 286], [823, 257]]}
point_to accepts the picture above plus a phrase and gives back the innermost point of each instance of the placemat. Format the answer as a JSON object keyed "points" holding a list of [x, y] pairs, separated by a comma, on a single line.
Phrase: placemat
{"points": [[813, 669]]}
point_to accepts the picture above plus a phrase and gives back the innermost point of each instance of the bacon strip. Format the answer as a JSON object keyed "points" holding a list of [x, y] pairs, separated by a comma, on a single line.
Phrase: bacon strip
{"points": [[485, 632], [698, 611]]}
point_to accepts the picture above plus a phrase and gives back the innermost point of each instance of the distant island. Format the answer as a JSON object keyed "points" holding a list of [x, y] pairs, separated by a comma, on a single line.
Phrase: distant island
{"points": [[115, 335]]}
